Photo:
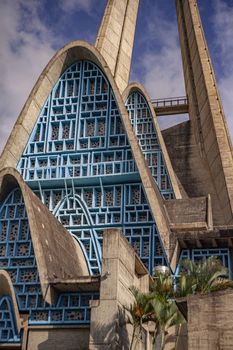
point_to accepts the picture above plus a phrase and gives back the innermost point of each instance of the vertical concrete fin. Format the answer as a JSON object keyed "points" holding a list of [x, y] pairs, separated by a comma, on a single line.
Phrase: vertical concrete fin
{"points": [[116, 36], [205, 108]]}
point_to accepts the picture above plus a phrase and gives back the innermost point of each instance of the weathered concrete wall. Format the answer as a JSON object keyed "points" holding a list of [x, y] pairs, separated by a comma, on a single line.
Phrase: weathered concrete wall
{"points": [[191, 169], [116, 37], [108, 319], [210, 321], [189, 210], [205, 108], [72, 338]]}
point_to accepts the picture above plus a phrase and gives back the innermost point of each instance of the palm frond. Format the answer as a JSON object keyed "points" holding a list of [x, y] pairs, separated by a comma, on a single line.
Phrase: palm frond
{"points": [[200, 277]]}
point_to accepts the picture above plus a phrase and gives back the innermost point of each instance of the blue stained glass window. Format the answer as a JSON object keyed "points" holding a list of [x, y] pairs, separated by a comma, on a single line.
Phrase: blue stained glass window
{"points": [[8, 331], [18, 259], [143, 126], [79, 162]]}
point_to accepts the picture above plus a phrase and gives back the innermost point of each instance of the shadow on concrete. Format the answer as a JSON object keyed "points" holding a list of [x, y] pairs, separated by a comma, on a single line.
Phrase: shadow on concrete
{"points": [[112, 336]]}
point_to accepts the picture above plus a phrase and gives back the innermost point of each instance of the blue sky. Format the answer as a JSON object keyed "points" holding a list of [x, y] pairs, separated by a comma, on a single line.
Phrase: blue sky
{"points": [[32, 30]]}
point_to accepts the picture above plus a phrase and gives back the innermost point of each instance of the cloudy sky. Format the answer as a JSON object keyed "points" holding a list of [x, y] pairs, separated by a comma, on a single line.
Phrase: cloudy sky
{"points": [[32, 30]]}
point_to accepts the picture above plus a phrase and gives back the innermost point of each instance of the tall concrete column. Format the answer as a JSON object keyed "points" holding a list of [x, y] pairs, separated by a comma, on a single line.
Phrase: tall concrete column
{"points": [[116, 37], [121, 269], [205, 108]]}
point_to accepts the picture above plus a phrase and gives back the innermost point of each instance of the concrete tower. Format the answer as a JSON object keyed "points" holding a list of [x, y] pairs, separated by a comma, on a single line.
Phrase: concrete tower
{"points": [[93, 195], [206, 113]]}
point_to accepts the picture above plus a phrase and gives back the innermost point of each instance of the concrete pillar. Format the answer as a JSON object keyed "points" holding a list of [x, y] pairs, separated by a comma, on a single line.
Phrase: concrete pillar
{"points": [[205, 108], [116, 36], [121, 269]]}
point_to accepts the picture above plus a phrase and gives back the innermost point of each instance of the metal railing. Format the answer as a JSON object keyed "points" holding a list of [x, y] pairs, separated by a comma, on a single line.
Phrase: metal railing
{"points": [[170, 102]]}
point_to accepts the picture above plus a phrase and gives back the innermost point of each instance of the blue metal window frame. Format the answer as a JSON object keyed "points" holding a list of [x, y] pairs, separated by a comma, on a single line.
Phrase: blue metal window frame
{"points": [[143, 126], [100, 160], [8, 331], [18, 259]]}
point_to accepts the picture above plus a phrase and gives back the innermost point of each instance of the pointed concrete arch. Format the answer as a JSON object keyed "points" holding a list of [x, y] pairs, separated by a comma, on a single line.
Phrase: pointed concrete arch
{"points": [[16, 143], [88, 217], [133, 87], [57, 254], [7, 289]]}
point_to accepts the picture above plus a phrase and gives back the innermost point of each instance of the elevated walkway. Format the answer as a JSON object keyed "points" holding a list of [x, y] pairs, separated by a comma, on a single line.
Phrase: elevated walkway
{"points": [[170, 106]]}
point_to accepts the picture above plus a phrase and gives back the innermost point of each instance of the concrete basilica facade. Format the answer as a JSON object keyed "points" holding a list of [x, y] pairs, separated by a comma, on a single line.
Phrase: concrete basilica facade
{"points": [[93, 195]]}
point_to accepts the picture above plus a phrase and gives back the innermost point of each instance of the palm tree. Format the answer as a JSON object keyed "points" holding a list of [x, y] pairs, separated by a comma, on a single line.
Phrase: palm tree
{"points": [[139, 312], [166, 313], [202, 277], [157, 306]]}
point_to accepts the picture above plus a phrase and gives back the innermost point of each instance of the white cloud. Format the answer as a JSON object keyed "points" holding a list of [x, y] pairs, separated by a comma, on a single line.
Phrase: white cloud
{"points": [[162, 65], [223, 28], [26, 47], [164, 77], [77, 5], [163, 73]]}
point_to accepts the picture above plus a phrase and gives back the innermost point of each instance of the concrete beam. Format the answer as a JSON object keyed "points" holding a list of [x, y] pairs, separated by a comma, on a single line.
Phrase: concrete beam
{"points": [[116, 36]]}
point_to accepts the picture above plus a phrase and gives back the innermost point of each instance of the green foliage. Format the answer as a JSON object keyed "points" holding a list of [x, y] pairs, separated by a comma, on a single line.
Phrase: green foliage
{"points": [[202, 277], [159, 305], [163, 285], [166, 313], [140, 311]]}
